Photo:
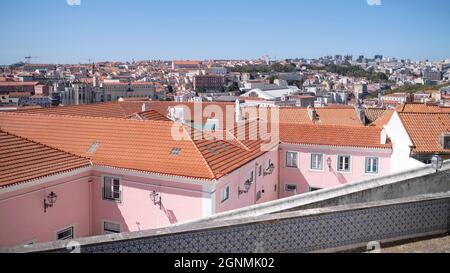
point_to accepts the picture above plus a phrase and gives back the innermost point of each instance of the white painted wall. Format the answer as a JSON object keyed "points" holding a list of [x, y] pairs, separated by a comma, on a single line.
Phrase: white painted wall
{"points": [[401, 146]]}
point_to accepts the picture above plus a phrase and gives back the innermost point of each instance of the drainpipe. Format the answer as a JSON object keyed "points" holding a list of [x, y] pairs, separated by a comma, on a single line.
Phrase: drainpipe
{"points": [[90, 182], [280, 165], [256, 182]]}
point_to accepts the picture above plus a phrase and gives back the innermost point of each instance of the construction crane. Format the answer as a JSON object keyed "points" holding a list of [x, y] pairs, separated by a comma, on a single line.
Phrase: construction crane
{"points": [[29, 57], [90, 61]]}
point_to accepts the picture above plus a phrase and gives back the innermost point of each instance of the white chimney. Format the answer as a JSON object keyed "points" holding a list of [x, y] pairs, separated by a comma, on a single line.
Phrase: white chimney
{"points": [[144, 107], [238, 112]]}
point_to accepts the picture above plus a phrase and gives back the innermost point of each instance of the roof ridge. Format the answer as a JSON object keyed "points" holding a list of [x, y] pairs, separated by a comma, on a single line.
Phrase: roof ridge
{"points": [[80, 117], [198, 150], [239, 145]]}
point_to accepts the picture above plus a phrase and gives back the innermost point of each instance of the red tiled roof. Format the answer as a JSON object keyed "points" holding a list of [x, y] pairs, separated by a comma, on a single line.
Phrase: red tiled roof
{"points": [[327, 116], [425, 129], [152, 115], [332, 135], [127, 108], [422, 108], [138, 145], [22, 160]]}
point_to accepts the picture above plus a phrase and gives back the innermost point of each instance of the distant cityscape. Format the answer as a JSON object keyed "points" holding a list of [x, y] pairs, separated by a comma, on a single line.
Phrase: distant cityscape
{"points": [[377, 81], [176, 127]]}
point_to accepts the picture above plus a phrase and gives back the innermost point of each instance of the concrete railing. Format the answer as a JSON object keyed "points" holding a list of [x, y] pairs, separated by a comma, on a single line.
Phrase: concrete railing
{"points": [[318, 230]]}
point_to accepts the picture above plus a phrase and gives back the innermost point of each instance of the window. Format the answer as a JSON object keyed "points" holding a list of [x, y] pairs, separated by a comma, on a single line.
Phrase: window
{"points": [[111, 189], [111, 228], [225, 194], [292, 159], [175, 151], [445, 141], [344, 163], [291, 188], [372, 165], [316, 162], [260, 170], [311, 189], [65, 234]]}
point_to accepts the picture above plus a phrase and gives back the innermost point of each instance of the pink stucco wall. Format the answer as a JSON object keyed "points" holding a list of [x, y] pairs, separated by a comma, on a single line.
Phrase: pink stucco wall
{"points": [[238, 178], [180, 202], [305, 178], [22, 217], [80, 198]]}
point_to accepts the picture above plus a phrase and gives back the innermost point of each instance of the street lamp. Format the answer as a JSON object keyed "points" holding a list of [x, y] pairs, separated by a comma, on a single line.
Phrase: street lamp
{"points": [[50, 201], [269, 170], [156, 199], [247, 185], [437, 162]]}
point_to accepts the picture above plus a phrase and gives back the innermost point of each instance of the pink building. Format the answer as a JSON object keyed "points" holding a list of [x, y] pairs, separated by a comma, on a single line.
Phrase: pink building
{"points": [[112, 173], [134, 176], [318, 157]]}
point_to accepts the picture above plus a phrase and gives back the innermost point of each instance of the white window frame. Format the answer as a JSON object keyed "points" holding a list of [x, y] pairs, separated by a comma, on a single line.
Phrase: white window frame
{"points": [[105, 232], [119, 200], [286, 160], [65, 229], [366, 160], [222, 200], [311, 163], [349, 164]]}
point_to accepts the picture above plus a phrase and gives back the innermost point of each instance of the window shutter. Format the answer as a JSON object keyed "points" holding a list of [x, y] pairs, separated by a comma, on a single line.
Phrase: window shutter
{"points": [[116, 189], [107, 188]]}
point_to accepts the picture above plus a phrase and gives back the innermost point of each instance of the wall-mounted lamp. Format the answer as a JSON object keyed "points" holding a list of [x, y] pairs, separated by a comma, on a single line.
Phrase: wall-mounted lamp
{"points": [[156, 199], [269, 170], [329, 162], [437, 162], [247, 187], [50, 201]]}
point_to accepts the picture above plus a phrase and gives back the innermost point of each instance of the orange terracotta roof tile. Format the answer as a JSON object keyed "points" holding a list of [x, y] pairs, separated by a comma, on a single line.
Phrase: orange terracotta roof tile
{"points": [[421, 108], [425, 129], [152, 115], [137, 145], [22, 160], [327, 116], [383, 119], [332, 135]]}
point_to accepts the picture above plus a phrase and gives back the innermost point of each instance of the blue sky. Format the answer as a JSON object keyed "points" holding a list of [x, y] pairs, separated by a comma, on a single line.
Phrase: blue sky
{"points": [[203, 29]]}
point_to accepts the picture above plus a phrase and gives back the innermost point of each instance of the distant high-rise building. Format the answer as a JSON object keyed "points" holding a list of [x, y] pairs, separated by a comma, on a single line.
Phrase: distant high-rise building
{"points": [[361, 58], [430, 75], [209, 82], [378, 57]]}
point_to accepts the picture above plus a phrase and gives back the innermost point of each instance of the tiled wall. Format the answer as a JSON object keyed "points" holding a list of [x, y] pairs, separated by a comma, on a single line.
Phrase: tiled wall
{"points": [[302, 234]]}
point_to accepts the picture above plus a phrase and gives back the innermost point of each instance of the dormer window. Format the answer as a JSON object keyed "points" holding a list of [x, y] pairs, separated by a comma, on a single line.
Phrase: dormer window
{"points": [[445, 141]]}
